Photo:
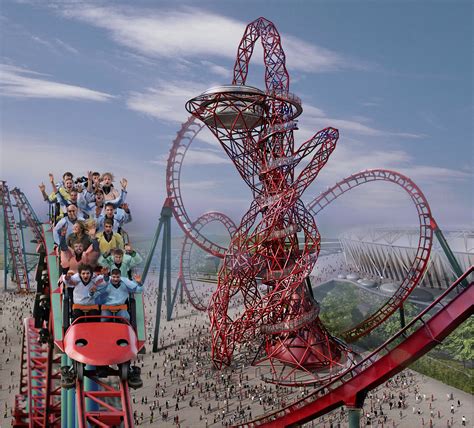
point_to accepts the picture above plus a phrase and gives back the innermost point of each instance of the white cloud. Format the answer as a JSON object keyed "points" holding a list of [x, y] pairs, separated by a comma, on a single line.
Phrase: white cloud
{"points": [[66, 46], [43, 42], [199, 185], [313, 119], [218, 70], [370, 104], [352, 157], [166, 100], [18, 82], [197, 157], [192, 32]]}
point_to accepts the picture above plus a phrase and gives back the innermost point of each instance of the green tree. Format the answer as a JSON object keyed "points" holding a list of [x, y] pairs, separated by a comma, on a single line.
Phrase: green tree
{"points": [[393, 325], [338, 308], [460, 343]]}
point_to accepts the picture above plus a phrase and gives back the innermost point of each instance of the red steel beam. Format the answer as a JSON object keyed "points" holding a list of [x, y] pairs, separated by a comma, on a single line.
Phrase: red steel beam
{"points": [[372, 372]]}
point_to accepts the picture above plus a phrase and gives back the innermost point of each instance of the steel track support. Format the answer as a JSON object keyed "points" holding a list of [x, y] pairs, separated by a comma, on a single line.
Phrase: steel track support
{"points": [[402, 316], [354, 416], [90, 386], [64, 397], [5, 254], [22, 234], [112, 401], [165, 265], [448, 252]]}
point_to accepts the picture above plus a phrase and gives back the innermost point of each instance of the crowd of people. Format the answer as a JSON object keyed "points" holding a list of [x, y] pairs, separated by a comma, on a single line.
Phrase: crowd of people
{"points": [[181, 388], [96, 259], [89, 214]]}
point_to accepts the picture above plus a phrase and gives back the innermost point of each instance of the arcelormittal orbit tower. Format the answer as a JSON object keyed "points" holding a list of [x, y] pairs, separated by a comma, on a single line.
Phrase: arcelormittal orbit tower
{"points": [[277, 243]]}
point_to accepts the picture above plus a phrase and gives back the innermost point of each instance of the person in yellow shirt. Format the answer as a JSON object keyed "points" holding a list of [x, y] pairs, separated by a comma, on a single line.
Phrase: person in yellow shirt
{"points": [[108, 239]]}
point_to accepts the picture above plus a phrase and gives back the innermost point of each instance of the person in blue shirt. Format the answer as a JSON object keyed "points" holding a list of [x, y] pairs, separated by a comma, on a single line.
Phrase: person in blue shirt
{"points": [[115, 293], [119, 216], [66, 223]]}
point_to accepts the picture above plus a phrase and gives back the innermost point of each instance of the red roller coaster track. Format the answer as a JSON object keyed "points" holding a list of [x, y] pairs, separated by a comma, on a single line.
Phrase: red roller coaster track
{"points": [[28, 213], [420, 262], [14, 243], [181, 143], [185, 276], [423, 333], [39, 403]]}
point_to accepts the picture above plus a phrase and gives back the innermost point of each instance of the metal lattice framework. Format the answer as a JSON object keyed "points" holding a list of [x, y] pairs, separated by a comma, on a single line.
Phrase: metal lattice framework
{"points": [[425, 242], [113, 404], [185, 276], [192, 230], [422, 334], [255, 128], [180, 146], [14, 241], [28, 213], [39, 403]]}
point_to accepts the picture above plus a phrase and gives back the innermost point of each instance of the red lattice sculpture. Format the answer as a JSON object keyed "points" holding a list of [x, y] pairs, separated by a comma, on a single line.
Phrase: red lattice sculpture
{"points": [[266, 266]]}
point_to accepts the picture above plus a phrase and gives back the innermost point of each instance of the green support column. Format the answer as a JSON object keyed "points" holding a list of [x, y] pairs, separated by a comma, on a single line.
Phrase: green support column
{"points": [[20, 221], [165, 264], [90, 385], [71, 403], [354, 417], [159, 300], [5, 254], [152, 251], [169, 302], [402, 316], [448, 252], [64, 400]]}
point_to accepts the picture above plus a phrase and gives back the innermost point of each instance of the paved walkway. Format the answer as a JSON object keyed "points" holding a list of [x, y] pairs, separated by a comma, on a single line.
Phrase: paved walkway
{"points": [[180, 383]]}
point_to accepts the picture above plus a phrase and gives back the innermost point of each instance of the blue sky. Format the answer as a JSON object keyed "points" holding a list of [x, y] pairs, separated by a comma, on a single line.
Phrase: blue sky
{"points": [[102, 85]]}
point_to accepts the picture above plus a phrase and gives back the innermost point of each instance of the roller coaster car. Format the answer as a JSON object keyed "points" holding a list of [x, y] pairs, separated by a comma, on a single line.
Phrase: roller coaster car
{"points": [[90, 341], [107, 343]]}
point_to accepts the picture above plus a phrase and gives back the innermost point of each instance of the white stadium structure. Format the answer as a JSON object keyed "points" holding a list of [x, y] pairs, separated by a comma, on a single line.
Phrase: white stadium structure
{"points": [[387, 253]]}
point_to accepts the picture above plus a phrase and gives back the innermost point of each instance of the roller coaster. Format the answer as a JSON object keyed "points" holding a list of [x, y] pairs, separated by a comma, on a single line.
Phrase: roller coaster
{"points": [[97, 353], [265, 263]]}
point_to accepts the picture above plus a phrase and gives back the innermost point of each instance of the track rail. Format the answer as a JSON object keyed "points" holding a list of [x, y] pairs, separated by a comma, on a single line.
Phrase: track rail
{"points": [[28, 213], [113, 401], [185, 260], [423, 333], [425, 242], [38, 403], [181, 143], [14, 242]]}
